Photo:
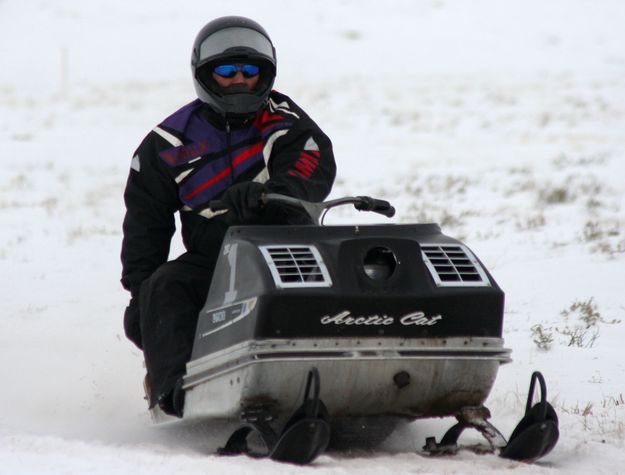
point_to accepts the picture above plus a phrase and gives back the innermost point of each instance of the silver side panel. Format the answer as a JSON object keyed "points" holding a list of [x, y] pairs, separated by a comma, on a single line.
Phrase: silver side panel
{"points": [[357, 376]]}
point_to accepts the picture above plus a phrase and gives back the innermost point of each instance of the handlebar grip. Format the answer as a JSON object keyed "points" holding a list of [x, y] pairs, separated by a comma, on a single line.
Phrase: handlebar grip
{"points": [[388, 211], [382, 207]]}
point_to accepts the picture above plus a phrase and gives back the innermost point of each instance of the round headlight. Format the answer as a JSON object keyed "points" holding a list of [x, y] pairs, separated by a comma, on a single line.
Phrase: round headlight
{"points": [[379, 263]]}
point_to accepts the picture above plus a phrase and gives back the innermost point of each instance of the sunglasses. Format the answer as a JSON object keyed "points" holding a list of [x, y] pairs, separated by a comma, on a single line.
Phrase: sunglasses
{"points": [[229, 70]]}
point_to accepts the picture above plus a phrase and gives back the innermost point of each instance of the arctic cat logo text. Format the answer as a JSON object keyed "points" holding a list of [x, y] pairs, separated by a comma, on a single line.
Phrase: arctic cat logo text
{"points": [[345, 318]]}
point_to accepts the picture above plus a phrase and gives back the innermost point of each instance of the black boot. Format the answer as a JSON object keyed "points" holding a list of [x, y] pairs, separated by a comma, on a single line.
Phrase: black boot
{"points": [[172, 403]]}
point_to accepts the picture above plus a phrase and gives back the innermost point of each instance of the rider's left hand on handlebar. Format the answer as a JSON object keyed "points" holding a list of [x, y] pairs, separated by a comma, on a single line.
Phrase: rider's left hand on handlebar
{"points": [[243, 201]]}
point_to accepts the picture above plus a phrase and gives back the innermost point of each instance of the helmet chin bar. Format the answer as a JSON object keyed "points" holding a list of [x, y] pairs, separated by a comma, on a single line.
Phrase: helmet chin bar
{"points": [[239, 105], [236, 89]]}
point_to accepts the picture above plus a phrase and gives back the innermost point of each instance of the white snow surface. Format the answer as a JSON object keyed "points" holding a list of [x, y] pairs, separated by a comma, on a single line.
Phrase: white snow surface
{"points": [[503, 121]]}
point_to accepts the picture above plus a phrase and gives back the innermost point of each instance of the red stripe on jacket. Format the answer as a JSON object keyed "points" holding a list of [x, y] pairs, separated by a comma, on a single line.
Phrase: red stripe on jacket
{"points": [[247, 153], [306, 164], [266, 119], [239, 159]]}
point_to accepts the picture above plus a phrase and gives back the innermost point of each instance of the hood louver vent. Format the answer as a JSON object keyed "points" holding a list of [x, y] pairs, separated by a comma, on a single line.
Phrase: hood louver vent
{"points": [[296, 266], [453, 265]]}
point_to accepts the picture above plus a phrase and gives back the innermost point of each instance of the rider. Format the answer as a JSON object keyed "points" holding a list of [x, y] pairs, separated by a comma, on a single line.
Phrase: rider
{"points": [[238, 140]]}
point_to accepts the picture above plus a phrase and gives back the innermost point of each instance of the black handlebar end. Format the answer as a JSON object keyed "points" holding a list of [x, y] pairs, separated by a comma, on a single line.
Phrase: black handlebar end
{"points": [[390, 212], [382, 207]]}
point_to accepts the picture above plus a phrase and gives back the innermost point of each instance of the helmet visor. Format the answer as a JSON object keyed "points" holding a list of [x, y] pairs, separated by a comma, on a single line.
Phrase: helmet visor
{"points": [[237, 40]]}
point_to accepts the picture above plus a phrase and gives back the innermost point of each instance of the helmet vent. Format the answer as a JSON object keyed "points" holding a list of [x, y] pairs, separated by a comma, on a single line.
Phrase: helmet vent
{"points": [[296, 266], [453, 265]]}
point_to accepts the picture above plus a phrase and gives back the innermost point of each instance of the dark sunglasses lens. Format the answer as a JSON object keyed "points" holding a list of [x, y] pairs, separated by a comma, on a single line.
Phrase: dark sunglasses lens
{"points": [[225, 70], [250, 70]]}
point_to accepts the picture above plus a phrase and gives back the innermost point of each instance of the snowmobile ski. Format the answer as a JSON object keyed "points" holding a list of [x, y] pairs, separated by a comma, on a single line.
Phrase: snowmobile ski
{"points": [[533, 438], [303, 438]]}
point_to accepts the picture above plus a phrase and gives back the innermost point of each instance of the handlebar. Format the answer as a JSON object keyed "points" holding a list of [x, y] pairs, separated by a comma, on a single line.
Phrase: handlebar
{"points": [[317, 210]]}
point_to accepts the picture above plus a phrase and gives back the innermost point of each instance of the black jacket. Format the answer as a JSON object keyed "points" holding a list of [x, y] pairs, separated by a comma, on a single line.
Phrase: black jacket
{"points": [[192, 156]]}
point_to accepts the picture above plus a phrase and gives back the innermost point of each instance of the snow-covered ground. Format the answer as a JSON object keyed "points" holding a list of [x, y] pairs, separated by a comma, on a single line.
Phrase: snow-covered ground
{"points": [[503, 121]]}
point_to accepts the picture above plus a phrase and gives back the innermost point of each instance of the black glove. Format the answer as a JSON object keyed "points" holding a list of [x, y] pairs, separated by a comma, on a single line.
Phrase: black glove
{"points": [[243, 202]]}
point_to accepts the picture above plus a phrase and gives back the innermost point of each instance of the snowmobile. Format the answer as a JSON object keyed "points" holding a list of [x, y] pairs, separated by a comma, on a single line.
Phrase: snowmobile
{"points": [[315, 336]]}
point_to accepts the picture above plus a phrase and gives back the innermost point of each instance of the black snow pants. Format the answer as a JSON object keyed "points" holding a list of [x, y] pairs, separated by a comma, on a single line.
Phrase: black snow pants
{"points": [[169, 303]]}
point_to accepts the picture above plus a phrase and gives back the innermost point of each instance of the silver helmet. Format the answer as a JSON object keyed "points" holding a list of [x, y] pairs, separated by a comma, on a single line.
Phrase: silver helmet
{"points": [[233, 39]]}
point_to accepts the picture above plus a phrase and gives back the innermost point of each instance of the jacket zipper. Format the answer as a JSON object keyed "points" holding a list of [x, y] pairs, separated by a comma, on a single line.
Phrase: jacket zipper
{"points": [[229, 147]]}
